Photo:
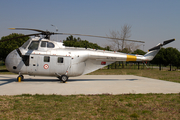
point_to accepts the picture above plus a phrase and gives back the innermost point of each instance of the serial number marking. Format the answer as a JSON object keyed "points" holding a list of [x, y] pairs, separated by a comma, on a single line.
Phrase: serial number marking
{"points": [[111, 58]]}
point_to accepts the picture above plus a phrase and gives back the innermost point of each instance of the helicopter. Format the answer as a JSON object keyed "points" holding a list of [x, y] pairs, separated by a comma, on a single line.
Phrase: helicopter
{"points": [[39, 56]]}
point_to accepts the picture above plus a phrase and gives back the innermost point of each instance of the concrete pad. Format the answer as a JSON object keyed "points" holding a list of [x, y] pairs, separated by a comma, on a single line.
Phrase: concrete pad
{"points": [[86, 84]]}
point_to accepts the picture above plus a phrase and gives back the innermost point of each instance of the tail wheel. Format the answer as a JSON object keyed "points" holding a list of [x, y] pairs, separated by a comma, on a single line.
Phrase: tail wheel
{"points": [[64, 78], [20, 78]]}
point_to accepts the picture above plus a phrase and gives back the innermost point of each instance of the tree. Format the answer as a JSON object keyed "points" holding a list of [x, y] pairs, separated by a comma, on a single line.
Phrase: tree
{"points": [[73, 42], [159, 59], [169, 56], [125, 50], [124, 34], [122, 45], [178, 61], [7, 46], [139, 52]]}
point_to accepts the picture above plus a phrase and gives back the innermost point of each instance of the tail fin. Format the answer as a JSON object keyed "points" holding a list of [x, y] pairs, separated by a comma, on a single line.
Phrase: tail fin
{"points": [[150, 55], [153, 51]]}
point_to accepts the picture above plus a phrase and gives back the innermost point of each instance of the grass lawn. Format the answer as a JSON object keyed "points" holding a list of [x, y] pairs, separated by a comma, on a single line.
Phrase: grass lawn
{"points": [[105, 106], [3, 70], [125, 106]]}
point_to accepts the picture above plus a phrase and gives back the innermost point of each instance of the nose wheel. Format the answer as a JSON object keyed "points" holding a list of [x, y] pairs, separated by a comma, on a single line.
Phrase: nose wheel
{"points": [[20, 78]]}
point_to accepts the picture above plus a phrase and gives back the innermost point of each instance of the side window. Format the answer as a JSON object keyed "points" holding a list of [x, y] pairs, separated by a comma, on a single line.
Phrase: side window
{"points": [[50, 45], [46, 59], [34, 45], [60, 60], [43, 44]]}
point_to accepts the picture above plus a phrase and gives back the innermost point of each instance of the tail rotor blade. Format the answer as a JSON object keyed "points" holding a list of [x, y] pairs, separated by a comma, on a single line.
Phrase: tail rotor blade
{"points": [[160, 45], [155, 48], [168, 41]]}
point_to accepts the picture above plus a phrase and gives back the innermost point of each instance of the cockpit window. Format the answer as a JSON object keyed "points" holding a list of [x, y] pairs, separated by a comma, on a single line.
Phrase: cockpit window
{"points": [[25, 44], [34, 45], [43, 44], [50, 45], [47, 44]]}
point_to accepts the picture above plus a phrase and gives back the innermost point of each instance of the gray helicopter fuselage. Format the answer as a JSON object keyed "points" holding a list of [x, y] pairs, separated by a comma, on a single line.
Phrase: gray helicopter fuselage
{"points": [[50, 58], [41, 56]]}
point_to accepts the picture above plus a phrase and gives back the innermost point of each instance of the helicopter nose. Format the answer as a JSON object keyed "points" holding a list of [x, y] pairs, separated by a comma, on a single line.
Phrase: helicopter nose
{"points": [[12, 61]]}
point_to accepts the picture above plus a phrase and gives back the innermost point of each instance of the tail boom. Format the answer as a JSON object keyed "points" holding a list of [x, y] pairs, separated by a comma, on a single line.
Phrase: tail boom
{"points": [[151, 54]]}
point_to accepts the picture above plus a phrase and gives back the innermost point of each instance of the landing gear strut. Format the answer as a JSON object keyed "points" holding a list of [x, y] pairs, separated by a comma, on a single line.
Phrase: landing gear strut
{"points": [[20, 78]]}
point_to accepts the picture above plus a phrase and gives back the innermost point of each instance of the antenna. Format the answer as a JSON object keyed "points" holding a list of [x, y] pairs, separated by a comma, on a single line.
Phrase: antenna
{"points": [[56, 30]]}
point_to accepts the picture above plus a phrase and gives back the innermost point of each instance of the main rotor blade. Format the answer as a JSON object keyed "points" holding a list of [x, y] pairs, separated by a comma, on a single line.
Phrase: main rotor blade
{"points": [[99, 37], [19, 37], [51, 33], [27, 29]]}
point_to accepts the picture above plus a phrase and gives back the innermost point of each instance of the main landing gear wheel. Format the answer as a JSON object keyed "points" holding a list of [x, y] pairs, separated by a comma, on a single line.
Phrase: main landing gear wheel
{"points": [[64, 78], [20, 78]]}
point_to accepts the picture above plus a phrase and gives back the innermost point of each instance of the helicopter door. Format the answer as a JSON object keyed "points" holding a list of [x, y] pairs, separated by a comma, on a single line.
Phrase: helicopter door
{"points": [[62, 65], [33, 65], [52, 65], [44, 65]]}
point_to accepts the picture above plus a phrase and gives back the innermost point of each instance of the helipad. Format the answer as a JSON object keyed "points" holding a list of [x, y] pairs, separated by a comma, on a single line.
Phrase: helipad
{"points": [[86, 84]]}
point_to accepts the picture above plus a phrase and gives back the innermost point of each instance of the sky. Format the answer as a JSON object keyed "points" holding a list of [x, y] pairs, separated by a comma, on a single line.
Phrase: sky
{"points": [[151, 21]]}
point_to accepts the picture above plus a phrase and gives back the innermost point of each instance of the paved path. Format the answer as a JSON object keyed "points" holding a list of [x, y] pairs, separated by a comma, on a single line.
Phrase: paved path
{"points": [[86, 84]]}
